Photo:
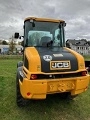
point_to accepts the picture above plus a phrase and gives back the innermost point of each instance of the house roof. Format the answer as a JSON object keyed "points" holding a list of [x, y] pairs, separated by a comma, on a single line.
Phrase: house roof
{"points": [[81, 42]]}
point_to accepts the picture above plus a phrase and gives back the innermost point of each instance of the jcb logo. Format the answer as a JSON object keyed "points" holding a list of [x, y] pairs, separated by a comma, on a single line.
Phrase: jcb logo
{"points": [[47, 58], [60, 64]]}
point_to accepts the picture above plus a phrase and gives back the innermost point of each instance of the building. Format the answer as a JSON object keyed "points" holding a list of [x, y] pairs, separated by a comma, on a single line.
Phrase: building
{"points": [[80, 46], [4, 49]]}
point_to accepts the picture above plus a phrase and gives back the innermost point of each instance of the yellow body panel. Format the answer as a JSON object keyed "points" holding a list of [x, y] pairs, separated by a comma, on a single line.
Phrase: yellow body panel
{"points": [[80, 59], [38, 89], [35, 64], [34, 59]]}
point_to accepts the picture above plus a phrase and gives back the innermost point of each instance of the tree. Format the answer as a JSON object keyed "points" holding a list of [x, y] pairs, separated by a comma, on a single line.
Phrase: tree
{"points": [[22, 43], [12, 45], [4, 42], [88, 43]]}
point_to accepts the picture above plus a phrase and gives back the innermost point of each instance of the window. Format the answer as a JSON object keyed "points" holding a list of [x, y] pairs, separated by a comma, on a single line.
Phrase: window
{"points": [[47, 31], [35, 37], [78, 48]]}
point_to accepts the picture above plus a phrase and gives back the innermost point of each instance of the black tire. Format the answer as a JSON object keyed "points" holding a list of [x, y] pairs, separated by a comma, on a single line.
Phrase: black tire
{"points": [[19, 64], [70, 97], [19, 99], [67, 96]]}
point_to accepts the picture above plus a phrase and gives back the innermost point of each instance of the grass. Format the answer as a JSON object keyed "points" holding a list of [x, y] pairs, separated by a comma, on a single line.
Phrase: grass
{"points": [[52, 108], [87, 57], [10, 56]]}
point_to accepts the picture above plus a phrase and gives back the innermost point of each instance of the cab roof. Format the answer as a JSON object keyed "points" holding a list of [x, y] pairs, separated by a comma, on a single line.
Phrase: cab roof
{"points": [[43, 19]]}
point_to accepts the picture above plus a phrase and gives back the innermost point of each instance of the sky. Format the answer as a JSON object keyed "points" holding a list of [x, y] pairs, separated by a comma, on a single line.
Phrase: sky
{"points": [[76, 13]]}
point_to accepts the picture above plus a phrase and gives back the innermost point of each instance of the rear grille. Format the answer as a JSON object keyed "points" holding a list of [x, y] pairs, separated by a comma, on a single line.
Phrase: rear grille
{"points": [[53, 76]]}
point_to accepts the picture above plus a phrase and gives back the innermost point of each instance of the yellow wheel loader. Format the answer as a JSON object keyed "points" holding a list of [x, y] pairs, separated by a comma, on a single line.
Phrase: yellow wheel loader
{"points": [[48, 67]]}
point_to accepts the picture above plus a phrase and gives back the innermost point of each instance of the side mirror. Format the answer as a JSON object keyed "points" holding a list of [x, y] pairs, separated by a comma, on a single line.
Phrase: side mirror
{"points": [[65, 24], [16, 35]]}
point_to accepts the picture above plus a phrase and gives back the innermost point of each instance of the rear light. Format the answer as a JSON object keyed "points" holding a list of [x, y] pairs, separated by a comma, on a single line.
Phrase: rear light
{"points": [[28, 94], [33, 77], [84, 73]]}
